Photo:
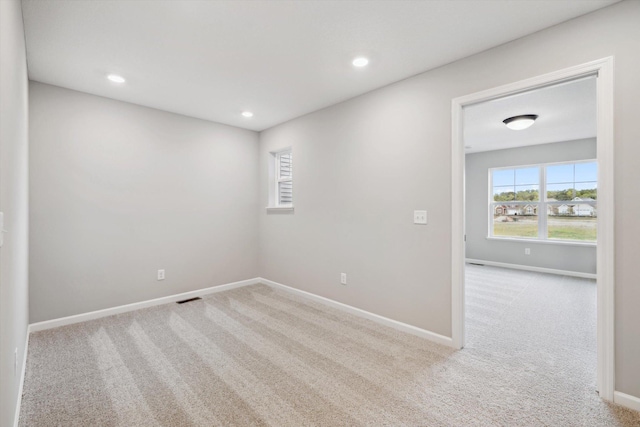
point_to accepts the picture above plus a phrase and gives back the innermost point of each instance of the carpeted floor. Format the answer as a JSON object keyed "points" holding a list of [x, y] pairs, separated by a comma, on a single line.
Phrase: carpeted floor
{"points": [[256, 356]]}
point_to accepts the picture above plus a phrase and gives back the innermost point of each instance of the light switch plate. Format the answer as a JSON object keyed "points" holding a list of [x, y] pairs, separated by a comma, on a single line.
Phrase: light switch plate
{"points": [[420, 217]]}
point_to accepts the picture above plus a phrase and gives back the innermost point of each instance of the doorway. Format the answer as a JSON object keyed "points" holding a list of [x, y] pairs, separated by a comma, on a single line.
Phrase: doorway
{"points": [[602, 70]]}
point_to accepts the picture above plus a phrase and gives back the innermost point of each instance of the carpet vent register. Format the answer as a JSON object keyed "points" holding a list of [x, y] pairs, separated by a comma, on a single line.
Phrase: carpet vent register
{"points": [[188, 300]]}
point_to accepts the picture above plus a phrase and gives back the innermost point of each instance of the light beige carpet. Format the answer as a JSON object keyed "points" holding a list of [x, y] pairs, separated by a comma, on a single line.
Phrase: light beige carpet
{"points": [[257, 356]]}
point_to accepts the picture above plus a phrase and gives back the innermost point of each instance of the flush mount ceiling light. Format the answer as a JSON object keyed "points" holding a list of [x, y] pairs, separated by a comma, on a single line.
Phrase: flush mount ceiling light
{"points": [[520, 122], [247, 114], [360, 62], [116, 78]]}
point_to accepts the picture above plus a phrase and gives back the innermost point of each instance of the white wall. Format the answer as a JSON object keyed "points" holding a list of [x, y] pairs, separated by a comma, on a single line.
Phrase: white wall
{"points": [[119, 191], [362, 167], [14, 200], [357, 180], [579, 259]]}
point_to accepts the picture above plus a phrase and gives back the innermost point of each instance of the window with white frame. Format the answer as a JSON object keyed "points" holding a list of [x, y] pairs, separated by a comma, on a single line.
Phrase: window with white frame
{"points": [[551, 201], [282, 189]]}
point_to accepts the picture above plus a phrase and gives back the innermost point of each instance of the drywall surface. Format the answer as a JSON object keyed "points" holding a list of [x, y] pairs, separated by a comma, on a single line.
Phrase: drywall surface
{"points": [[119, 191], [14, 202], [580, 259], [361, 167]]}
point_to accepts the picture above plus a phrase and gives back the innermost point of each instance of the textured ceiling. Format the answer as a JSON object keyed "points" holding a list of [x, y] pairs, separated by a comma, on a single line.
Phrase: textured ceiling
{"points": [[279, 59]]}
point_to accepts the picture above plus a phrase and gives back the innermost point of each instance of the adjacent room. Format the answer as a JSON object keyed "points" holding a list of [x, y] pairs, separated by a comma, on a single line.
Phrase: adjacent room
{"points": [[531, 190], [285, 213]]}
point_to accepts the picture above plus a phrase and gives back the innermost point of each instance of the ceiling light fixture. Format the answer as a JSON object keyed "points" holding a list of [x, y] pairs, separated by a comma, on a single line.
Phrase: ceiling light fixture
{"points": [[360, 62], [520, 122], [116, 78], [247, 114]]}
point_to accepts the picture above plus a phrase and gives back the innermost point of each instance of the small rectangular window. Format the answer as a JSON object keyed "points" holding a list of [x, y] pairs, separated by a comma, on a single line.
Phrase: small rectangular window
{"points": [[281, 195], [285, 178]]}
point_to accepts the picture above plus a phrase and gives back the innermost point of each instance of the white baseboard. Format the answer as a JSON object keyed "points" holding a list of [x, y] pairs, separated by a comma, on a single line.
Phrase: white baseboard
{"points": [[16, 417], [626, 400], [422, 333], [78, 318], [69, 320], [530, 268]]}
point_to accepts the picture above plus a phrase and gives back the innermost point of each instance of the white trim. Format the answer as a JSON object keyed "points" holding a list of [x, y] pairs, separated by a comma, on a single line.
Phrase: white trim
{"points": [[280, 208], [78, 318], [603, 68], [69, 320], [626, 400], [544, 242], [458, 226], [531, 268], [16, 416], [606, 231], [277, 155], [413, 330]]}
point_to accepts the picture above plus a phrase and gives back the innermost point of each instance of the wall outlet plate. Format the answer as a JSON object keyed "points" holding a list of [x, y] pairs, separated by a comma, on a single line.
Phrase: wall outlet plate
{"points": [[343, 278], [160, 274], [420, 217]]}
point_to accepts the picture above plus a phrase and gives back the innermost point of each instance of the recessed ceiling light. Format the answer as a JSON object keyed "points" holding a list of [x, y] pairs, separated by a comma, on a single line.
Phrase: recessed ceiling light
{"points": [[520, 122], [247, 114], [360, 62], [116, 78]]}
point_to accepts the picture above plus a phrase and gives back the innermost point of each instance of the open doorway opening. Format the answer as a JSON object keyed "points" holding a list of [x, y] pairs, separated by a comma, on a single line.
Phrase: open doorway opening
{"points": [[531, 234], [550, 226]]}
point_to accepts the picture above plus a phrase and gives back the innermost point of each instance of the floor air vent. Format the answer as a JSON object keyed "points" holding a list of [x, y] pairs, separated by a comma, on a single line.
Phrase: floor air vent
{"points": [[188, 300]]}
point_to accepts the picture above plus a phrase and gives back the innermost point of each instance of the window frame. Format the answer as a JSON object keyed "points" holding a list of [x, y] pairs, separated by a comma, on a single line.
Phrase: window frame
{"points": [[275, 180], [542, 204]]}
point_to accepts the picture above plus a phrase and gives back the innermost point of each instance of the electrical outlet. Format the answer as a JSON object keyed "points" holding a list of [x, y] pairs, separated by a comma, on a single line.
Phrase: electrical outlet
{"points": [[527, 251], [160, 274], [15, 361], [343, 278], [420, 217]]}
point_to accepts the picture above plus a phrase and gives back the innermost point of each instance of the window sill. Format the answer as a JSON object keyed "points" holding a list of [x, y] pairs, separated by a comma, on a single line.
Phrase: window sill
{"points": [[544, 242], [279, 208]]}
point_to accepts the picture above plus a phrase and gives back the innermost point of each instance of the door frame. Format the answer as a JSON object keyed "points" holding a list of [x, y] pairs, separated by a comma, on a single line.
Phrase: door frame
{"points": [[603, 69]]}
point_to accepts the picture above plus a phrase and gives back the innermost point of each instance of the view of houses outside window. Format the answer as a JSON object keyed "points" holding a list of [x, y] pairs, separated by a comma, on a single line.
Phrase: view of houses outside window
{"points": [[566, 211]]}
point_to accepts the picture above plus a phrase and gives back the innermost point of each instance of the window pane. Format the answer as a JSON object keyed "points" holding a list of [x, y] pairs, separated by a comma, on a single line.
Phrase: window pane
{"points": [[502, 177], [587, 190], [285, 193], [503, 194], [527, 193], [572, 222], [527, 176], [519, 220], [559, 173], [586, 172], [560, 192]]}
